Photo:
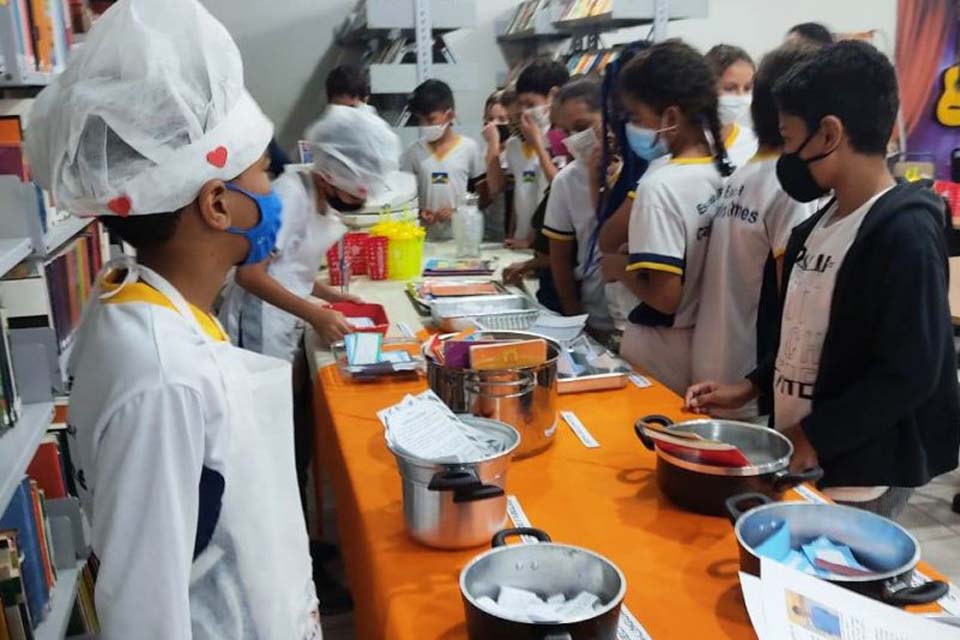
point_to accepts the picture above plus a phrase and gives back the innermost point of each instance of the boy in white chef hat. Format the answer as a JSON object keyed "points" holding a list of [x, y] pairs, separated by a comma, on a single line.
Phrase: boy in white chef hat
{"points": [[183, 443]]}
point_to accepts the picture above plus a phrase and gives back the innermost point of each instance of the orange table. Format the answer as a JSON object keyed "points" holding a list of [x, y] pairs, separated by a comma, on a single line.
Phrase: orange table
{"points": [[681, 568]]}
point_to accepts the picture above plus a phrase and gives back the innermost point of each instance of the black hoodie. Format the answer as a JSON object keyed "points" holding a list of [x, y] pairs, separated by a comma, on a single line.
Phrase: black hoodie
{"points": [[886, 404]]}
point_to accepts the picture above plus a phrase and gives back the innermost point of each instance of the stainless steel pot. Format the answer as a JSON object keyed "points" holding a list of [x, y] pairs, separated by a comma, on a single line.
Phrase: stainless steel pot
{"points": [[457, 505], [879, 544], [545, 568], [525, 397], [706, 488]]}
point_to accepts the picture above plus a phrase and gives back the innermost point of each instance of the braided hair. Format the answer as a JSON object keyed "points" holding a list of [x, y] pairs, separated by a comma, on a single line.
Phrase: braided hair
{"points": [[673, 73]]}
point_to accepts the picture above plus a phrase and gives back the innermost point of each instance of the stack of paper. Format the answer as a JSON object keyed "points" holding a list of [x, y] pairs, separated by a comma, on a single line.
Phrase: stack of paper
{"points": [[526, 606], [425, 428], [786, 603], [819, 557]]}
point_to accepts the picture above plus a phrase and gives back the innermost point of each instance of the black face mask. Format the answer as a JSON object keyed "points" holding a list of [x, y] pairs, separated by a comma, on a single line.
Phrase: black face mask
{"points": [[503, 130], [795, 177], [343, 207]]}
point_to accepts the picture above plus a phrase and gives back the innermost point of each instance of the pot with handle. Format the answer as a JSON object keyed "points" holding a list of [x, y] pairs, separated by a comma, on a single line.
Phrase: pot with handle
{"points": [[878, 543], [704, 488], [456, 505], [546, 568]]}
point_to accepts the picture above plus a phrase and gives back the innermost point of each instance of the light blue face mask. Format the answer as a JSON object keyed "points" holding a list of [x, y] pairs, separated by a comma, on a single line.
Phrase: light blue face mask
{"points": [[646, 143], [263, 235]]}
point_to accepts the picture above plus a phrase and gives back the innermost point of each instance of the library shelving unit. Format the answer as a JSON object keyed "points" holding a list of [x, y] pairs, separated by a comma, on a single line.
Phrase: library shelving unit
{"points": [[531, 22], [380, 23], [31, 55], [619, 14]]}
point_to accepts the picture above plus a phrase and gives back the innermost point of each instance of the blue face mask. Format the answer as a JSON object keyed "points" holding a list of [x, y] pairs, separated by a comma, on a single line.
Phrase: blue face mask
{"points": [[646, 143], [263, 235]]}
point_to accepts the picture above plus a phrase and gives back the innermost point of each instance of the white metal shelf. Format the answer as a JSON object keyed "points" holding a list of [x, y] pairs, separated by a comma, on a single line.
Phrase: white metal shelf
{"points": [[402, 78], [12, 252], [62, 232], [632, 13], [18, 445], [63, 596]]}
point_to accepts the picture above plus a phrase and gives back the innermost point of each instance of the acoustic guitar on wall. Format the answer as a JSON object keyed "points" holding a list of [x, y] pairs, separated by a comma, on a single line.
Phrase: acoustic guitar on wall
{"points": [[948, 106]]}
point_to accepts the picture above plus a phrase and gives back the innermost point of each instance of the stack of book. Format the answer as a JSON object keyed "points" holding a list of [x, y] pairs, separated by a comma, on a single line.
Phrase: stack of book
{"points": [[43, 34], [523, 17], [10, 403], [70, 279], [579, 9], [32, 554], [583, 62]]}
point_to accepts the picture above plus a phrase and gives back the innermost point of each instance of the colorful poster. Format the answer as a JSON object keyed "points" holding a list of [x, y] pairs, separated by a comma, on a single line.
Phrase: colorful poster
{"points": [[938, 133]]}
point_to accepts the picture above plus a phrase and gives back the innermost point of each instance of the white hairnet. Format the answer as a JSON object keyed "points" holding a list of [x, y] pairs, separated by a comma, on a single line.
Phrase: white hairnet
{"points": [[354, 150], [151, 108]]}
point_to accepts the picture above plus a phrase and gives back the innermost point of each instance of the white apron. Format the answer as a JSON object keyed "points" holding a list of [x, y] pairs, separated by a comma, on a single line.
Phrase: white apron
{"points": [[254, 579], [258, 325]]}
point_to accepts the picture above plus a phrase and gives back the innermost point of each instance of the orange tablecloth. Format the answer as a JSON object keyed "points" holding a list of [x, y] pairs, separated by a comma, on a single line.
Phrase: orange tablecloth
{"points": [[681, 568]]}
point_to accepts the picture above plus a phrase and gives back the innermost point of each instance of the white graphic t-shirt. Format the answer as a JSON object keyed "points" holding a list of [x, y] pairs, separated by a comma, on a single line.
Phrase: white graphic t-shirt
{"points": [[753, 220], [530, 183], [806, 318]]}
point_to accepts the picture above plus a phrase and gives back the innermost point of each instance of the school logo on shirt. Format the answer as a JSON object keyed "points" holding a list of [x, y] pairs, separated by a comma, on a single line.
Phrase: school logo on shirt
{"points": [[529, 177], [439, 177]]}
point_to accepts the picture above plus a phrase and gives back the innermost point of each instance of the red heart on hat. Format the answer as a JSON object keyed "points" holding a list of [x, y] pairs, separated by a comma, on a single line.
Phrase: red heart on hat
{"points": [[120, 205], [218, 157]]}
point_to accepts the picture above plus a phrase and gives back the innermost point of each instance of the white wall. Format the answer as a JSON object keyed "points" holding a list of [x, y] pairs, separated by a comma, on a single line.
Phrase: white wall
{"points": [[288, 46], [760, 25]]}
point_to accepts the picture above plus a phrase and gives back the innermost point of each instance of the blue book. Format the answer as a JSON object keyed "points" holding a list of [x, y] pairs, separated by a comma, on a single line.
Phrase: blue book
{"points": [[19, 516]]}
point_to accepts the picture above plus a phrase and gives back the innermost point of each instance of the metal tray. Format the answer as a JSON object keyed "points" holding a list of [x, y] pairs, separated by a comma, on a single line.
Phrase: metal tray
{"points": [[384, 369], [510, 312], [422, 302], [593, 378]]}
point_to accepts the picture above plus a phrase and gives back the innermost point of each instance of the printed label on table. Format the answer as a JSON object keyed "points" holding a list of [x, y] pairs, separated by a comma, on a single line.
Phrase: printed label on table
{"points": [[949, 602], [629, 627], [577, 427], [519, 518], [405, 330], [810, 495], [640, 381]]}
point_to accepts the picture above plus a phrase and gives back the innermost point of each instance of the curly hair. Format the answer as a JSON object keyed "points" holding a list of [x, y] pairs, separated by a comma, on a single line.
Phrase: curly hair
{"points": [[673, 73]]}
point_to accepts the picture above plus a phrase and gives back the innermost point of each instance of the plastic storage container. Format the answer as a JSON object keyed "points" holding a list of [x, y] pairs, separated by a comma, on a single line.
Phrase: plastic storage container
{"points": [[468, 227]]}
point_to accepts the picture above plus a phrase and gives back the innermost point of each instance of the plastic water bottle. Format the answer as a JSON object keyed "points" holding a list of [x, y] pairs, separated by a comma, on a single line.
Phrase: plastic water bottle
{"points": [[468, 227]]}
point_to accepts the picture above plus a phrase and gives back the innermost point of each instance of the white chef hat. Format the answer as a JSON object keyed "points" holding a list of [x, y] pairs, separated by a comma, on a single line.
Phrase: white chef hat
{"points": [[354, 150], [152, 107]]}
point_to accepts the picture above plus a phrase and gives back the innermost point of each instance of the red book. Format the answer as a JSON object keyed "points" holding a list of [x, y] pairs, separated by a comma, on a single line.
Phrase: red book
{"points": [[48, 574], [47, 468]]}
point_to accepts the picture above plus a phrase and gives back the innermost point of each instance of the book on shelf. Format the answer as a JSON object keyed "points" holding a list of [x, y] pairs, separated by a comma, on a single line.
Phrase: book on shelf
{"points": [[15, 623], [43, 34], [70, 279], [20, 517], [10, 402]]}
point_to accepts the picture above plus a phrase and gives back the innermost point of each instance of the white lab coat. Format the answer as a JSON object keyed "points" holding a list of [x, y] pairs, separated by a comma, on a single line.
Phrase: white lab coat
{"points": [[305, 236], [166, 436]]}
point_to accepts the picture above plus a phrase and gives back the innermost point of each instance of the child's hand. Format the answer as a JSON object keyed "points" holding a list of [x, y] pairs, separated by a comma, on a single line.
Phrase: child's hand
{"points": [[517, 244], [613, 266], [492, 137], [515, 273], [804, 455], [531, 130], [443, 215], [330, 325], [704, 397], [428, 216]]}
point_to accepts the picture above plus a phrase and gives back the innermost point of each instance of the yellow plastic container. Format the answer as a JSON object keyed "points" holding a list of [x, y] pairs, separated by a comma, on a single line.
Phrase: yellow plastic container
{"points": [[405, 253]]}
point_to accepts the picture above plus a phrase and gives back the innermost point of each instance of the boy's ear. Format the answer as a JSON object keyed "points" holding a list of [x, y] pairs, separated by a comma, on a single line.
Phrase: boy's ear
{"points": [[213, 205], [553, 93], [833, 132]]}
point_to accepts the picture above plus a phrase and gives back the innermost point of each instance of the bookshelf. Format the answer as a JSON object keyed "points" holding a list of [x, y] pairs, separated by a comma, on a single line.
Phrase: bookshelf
{"points": [[35, 42], [18, 445], [63, 232], [54, 626], [13, 251], [402, 78], [374, 17], [530, 22], [582, 16]]}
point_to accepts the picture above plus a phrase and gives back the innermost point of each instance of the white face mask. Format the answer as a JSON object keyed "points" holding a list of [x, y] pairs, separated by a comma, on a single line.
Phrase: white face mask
{"points": [[581, 144], [433, 132], [735, 109], [540, 115]]}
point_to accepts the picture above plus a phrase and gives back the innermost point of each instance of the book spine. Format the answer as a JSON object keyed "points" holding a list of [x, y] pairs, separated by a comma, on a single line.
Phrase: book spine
{"points": [[41, 536]]}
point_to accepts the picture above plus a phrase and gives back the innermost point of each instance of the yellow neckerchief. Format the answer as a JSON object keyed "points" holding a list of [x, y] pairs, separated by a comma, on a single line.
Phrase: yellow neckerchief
{"points": [[440, 156], [142, 292]]}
